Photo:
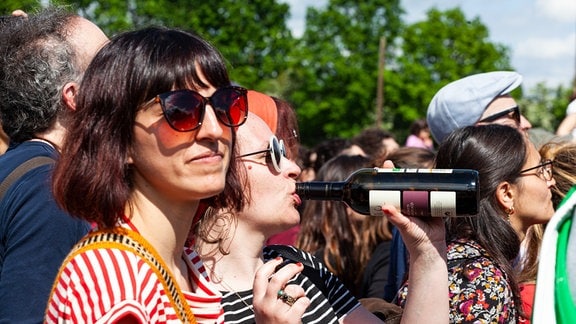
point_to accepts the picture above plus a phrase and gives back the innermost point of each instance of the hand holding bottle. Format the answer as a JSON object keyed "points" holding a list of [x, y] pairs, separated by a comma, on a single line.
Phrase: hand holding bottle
{"points": [[419, 234], [426, 244]]}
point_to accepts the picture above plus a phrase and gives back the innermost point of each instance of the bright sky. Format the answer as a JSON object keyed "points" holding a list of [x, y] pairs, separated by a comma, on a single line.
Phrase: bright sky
{"points": [[541, 34]]}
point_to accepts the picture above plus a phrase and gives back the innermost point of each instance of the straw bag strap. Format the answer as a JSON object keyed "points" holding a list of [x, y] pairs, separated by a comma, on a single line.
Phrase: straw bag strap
{"points": [[126, 239]]}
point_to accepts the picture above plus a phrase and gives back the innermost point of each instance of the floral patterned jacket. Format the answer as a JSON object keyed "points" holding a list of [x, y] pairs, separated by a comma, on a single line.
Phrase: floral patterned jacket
{"points": [[478, 289]]}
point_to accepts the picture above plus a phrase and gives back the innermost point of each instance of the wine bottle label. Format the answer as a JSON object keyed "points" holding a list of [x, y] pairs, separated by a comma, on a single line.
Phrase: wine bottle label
{"points": [[414, 203], [378, 198], [443, 203]]}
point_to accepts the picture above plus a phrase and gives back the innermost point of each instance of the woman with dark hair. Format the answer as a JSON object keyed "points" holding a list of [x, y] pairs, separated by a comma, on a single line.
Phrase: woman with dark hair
{"points": [[153, 136], [514, 194]]}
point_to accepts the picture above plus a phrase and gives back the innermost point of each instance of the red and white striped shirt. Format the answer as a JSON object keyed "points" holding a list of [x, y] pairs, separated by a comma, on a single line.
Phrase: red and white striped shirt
{"points": [[106, 284]]}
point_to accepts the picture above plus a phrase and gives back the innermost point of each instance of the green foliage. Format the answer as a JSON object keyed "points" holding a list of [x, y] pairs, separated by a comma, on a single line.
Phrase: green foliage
{"points": [[7, 6], [330, 74], [252, 35], [545, 107], [335, 66], [445, 47]]}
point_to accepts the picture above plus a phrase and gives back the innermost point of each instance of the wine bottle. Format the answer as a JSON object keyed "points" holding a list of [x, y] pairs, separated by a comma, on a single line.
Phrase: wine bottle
{"points": [[415, 192]]}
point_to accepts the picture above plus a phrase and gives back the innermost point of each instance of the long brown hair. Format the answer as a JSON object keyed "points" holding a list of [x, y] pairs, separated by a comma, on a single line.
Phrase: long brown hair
{"points": [[498, 153]]}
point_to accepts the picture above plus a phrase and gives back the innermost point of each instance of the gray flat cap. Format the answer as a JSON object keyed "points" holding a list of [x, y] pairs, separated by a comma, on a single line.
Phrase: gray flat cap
{"points": [[462, 102]]}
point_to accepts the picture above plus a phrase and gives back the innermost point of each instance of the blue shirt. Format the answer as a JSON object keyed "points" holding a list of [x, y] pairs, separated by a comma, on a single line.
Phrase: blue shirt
{"points": [[398, 265], [35, 236]]}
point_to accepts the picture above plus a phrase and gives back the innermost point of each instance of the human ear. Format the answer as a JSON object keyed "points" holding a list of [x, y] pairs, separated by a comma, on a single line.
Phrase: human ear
{"points": [[505, 194], [69, 92]]}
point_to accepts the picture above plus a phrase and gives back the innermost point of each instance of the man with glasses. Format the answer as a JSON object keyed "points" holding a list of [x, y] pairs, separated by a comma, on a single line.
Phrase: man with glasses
{"points": [[477, 99]]}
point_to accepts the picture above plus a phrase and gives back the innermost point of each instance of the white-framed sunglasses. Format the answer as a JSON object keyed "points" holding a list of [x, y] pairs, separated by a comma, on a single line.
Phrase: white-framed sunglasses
{"points": [[274, 153]]}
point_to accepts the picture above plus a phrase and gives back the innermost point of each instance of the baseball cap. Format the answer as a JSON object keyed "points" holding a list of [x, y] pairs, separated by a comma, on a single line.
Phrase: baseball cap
{"points": [[462, 102]]}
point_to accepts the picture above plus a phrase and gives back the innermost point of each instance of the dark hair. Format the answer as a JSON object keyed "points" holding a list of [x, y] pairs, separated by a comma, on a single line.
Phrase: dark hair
{"points": [[93, 179], [36, 61], [324, 151], [417, 126], [326, 228], [370, 141], [412, 157], [498, 153]]}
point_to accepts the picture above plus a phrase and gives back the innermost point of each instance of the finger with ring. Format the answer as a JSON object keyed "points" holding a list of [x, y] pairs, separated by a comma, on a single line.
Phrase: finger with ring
{"points": [[287, 299]]}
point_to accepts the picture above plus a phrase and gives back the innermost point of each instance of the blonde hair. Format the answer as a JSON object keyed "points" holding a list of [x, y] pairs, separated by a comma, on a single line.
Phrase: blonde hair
{"points": [[564, 168]]}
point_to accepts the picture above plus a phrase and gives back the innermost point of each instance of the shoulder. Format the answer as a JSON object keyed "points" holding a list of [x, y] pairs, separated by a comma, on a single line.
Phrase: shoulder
{"points": [[104, 281], [464, 249], [28, 205], [93, 265], [34, 174], [318, 282], [477, 284], [474, 274], [469, 259]]}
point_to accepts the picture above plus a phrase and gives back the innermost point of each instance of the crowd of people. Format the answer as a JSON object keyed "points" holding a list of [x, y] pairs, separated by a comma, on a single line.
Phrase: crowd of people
{"points": [[141, 185]]}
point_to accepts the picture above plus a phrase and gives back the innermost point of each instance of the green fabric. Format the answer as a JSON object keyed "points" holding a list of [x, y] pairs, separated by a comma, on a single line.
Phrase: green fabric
{"points": [[564, 305]]}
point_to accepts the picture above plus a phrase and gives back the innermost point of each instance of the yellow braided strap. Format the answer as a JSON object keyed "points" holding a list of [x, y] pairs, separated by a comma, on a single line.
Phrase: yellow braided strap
{"points": [[128, 240]]}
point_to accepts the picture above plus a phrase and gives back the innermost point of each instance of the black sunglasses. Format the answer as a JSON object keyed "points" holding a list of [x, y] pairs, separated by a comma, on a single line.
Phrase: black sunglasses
{"points": [[184, 109], [515, 115], [544, 170], [275, 152]]}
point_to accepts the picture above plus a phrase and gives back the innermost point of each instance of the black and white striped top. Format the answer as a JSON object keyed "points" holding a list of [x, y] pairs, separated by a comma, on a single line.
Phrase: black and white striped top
{"points": [[330, 300]]}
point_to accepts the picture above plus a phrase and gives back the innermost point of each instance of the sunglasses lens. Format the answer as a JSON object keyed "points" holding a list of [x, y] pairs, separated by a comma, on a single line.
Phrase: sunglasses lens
{"points": [[516, 115], [275, 153], [182, 109], [230, 105], [283, 149]]}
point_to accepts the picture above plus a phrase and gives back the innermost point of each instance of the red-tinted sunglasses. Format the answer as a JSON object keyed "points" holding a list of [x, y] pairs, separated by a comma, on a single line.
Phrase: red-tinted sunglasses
{"points": [[184, 109]]}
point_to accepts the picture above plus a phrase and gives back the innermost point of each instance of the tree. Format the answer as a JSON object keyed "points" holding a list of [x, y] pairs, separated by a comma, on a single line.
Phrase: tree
{"points": [[333, 75], [445, 47], [252, 35], [7, 6], [545, 107]]}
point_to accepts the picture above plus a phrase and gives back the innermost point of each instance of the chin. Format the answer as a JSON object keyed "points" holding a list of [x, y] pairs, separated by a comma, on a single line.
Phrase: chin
{"points": [[212, 189]]}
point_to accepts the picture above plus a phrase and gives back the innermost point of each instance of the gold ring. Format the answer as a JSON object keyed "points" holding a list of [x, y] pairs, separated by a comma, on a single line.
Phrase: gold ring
{"points": [[287, 299]]}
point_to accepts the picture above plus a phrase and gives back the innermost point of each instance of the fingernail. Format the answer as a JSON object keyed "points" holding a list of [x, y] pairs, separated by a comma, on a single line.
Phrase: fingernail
{"points": [[299, 264], [278, 258]]}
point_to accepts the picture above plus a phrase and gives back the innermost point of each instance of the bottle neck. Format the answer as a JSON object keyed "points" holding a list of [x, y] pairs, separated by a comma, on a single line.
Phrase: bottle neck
{"points": [[318, 190]]}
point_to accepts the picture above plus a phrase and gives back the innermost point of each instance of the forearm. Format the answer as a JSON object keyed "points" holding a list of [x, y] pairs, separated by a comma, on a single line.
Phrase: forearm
{"points": [[428, 301], [567, 125]]}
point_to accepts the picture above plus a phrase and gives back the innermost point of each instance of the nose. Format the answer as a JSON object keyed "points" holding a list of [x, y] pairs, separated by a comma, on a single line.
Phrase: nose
{"points": [[211, 126], [524, 123], [292, 168]]}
